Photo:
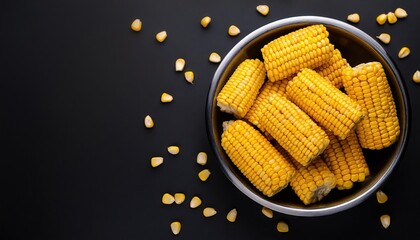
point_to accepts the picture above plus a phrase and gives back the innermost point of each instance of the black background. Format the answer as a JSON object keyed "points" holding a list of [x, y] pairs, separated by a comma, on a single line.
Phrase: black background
{"points": [[76, 84]]}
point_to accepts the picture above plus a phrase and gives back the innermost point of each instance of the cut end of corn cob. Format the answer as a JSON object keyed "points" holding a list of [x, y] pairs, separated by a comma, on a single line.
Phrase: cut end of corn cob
{"points": [[148, 122], [167, 198], [174, 150], [156, 161], [166, 98], [385, 220], [381, 197], [354, 18], [161, 36], [202, 158], [205, 21], [195, 202], [179, 64], [209, 212], [176, 227], [204, 174], [416, 76], [282, 227], [263, 9], [232, 214], [233, 31], [136, 25]]}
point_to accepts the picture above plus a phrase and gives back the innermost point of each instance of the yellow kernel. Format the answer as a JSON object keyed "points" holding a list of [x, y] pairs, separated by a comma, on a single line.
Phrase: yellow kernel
{"points": [[391, 18], [156, 161], [215, 57], [136, 25], [161, 36], [232, 214], [176, 227], [205, 21], [381, 18], [384, 37], [195, 202], [282, 227], [263, 9], [148, 122], [400, 13], [202, 158], [416, 76], [404, 52], [381, 197], [204, 175], [179, 64], [233, 30], [174, 150], [354, 18], [209, 212], [385, 220], [179, 198], [168, 198], [267, 212], [189, 76], [165, 98]]}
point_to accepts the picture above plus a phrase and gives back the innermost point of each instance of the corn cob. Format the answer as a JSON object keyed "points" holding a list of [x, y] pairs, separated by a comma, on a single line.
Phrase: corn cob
{"points": [[327, 105], [241, 89], [256, 157], [346, 160], [333, 68], [368, 85], [293, 129], [307, 47]]}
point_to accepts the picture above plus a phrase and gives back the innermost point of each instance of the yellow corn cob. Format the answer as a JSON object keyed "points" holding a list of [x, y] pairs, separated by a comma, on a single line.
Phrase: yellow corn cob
{"points": [[293, 129], [368, 85], [327, 105], [307, 47], [256, 157], [241, 89], [254, 114], [332, 69], [346, 160]]}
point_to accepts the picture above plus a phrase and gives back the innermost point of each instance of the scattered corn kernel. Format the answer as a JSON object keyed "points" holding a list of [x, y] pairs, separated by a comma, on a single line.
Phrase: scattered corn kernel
{"points": [[165, 98], [404, 52], [381, 197], [384, 37], [354, 18], [195, 202], [232, 214], [263, 9], [156, 161], [416, 77], [168, 198], [204, 175], [179, 64], [282, 227], [148, 122], [209, 212], [136, 25], [400, 13], [202, 158], [381, 18], [179, 198], [385, 220], [176, 227], [233, 30], [161, 36], [205, 21], [189, 76], [391, 18], [174, 150], [215, 57], [267, 212]]}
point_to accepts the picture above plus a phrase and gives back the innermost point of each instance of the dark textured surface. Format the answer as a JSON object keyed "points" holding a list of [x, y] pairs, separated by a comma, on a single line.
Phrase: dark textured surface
{"points": [[76, 84]]}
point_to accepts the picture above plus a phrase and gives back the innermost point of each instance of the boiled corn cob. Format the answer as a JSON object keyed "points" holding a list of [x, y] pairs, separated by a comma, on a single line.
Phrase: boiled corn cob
{"points": [[256, 157], [307, 47], [332, 69], [367, 84], [327, 105], [241, 89], [293, 129], [346, 160]]}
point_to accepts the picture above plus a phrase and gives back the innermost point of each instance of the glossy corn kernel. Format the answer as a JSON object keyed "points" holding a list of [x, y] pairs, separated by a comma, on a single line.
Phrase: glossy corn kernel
{"points": [[332, 69], [267, 212], [148, 122], [179, 64], [161, 36], [179, 198], [381, 197], [156, 161], [232, 214], [233, 31], [367, 84], [282, 227], [263, 9], [189, 76], [246, 148], [381, 19], [308, 47], [242, 87], [204, 174], [404, 52], [391, 18], [215, 57], [400, 13], [202, 158], [166, 98], [167, 198], [136, 25], [174, 150], [385, 220], [384, 37], [176, 227], [195, 202], [416, 76], [354, 18], [209, 212], [205, 21]]}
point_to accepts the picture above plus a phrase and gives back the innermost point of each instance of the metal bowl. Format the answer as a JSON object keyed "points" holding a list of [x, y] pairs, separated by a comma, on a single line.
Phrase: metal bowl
{"points": [[357, 47]]}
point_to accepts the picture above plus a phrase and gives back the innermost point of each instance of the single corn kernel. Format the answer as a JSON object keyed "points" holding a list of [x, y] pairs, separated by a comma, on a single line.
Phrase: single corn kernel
{"points": [[165, 98], [354, 18], [204, 175], [232, 214], [148, 122], [179, 198], [168, 199], [267, 212], [195, 202], [391, 18], [176, 227], [215, 57], [385, 220], [209, 212], [174, 150], [233, 30], [404, 52], [189, 76], [400, 13], [416, 76], [136, 25], [381, 197], [205, 21], [156, 161], [282, 227], [384, 37], [381, 18], [161, 36], [263, 9], [179, 64], [202, 158]]}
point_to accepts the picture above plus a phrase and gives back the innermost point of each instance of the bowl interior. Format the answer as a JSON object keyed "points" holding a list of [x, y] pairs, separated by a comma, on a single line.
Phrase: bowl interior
{"points": [[357, 47]]}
